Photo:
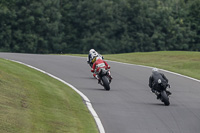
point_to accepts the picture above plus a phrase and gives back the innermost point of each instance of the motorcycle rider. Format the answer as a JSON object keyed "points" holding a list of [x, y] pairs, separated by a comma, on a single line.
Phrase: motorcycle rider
{"points": [[99, 63], [92, 55], [156, 78]]}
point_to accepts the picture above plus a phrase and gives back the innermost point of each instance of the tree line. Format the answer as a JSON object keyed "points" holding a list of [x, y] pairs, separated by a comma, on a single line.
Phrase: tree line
{"points": [[109, 26]]}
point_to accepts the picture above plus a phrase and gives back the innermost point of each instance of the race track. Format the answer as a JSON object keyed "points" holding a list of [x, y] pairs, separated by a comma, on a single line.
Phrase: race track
{"points": [[129, 107]]}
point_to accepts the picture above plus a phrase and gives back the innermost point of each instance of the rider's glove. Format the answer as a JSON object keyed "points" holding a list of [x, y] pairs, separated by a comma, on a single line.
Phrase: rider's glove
{"points": [[168, 85]]}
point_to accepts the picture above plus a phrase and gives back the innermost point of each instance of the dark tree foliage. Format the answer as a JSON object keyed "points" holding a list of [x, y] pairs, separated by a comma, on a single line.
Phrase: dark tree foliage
{"points": [[109, 26]]}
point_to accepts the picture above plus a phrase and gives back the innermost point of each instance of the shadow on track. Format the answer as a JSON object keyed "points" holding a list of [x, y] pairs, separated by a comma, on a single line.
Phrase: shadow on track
{"points": [[96, 89]]}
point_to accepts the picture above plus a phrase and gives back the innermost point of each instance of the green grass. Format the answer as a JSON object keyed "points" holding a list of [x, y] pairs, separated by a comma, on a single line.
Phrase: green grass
{"points": [[32, 102], [183, 62], [186, 63]]}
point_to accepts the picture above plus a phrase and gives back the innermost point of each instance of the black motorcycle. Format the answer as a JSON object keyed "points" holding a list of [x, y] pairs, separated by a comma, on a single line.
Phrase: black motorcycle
{"points": [[105, 78], [162, 93]]}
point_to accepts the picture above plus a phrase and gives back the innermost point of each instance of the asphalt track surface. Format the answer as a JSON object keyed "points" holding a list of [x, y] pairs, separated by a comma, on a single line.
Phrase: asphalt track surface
{"points": [[129, 107]]}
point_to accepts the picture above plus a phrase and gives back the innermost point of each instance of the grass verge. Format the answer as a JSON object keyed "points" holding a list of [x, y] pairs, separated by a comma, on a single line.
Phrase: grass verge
{"points": [[183, 62], [32, 102]]}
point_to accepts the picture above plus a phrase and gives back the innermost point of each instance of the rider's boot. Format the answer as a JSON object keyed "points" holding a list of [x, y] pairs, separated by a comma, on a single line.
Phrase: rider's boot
{"points": [[158, 96], [110, 77], [94, 75], [168, 92], [157, 93], [97, 77], [99, 81], [152, 90]]}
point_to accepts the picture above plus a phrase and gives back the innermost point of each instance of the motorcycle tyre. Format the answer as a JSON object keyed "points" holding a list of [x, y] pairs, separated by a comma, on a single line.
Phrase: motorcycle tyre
{"points": [[165, 98], [105, 83]]}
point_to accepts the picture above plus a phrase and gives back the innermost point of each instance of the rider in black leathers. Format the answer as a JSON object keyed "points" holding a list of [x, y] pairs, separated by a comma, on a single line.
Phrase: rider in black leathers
{"points": [[153, 80]]}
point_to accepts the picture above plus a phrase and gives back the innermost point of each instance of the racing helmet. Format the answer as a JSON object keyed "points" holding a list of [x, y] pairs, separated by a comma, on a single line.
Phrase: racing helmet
{"points": [[154, 70], [92, 51]]}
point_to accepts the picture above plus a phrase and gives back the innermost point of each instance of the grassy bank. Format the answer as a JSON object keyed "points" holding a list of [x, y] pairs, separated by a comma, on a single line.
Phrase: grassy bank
{"points": [[183, 62], [186, 63], [32, 102]]}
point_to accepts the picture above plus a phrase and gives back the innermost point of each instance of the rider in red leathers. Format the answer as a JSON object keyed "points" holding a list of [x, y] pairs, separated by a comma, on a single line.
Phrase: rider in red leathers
{"points": [[99, 63]]}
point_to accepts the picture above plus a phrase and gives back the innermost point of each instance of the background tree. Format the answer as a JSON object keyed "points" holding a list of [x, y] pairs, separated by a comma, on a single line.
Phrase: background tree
{"points": [[109, 26]]}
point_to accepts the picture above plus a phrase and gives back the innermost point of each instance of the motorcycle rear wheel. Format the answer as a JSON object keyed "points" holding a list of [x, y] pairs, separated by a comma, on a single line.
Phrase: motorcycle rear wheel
{"points": [[165, 98], [105, 83]]}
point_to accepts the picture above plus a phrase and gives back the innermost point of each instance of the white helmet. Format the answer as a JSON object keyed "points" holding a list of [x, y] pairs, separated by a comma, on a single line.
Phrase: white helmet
{"points": [[154, 70], [93, 53], [92, 50]]}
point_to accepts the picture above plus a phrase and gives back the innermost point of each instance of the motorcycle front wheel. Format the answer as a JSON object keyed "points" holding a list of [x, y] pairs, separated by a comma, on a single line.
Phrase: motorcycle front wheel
{"points": [[105, 83]]}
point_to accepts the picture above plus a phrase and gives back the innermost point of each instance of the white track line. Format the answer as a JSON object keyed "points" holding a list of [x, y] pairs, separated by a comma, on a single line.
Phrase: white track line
{"points": [[159, 69], [142, 66], [87, 101]]}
